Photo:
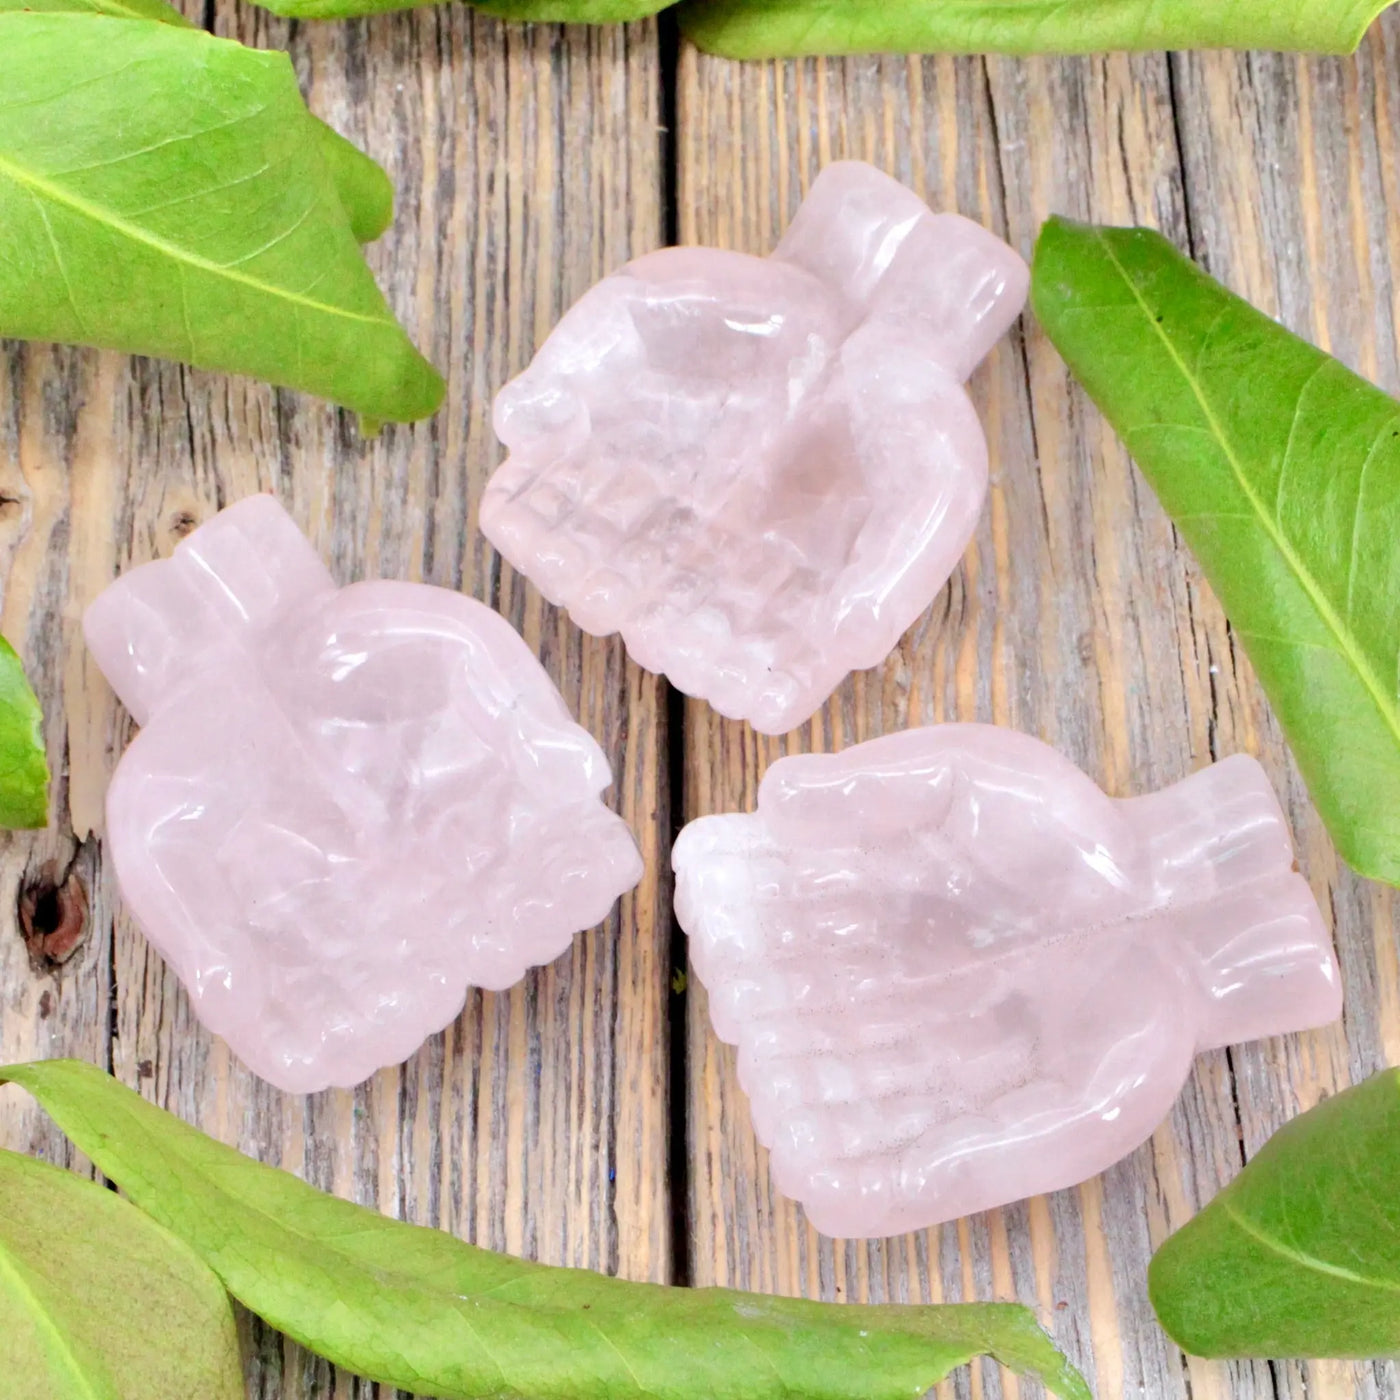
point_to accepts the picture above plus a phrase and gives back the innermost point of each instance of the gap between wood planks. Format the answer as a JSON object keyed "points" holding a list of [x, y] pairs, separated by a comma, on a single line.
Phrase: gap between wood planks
{"points": [[678, 995], [1193, 250]]}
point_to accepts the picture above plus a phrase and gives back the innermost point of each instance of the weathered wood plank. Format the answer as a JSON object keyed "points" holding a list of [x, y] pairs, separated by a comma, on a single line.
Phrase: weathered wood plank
{"points": [[54, 455], [527, 164], [1076, 614]]}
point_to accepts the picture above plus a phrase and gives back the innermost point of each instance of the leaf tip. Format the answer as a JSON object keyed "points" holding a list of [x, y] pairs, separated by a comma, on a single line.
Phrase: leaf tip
{"points": [[1058, 237]]}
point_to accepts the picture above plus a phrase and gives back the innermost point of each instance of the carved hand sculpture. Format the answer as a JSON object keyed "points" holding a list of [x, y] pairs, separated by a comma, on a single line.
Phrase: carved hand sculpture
{"points": [[345, 806], [760, 471], [957, 974]]}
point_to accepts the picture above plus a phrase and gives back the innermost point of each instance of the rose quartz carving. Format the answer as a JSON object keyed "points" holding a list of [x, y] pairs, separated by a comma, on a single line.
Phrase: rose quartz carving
{"points": [[761, 471], [345, 806], [957, 974]]}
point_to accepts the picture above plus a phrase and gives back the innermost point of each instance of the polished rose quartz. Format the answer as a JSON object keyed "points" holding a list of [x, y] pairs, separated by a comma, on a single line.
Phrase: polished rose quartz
{"points": [[957, 974], [760, 471], [345, 806]]}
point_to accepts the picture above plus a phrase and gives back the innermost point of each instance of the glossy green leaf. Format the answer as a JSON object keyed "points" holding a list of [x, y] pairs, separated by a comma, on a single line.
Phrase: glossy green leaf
{"points": [[166, 194], [572, 11], [365, 190], [98, 1302], [1300, 1255], [113, 9], [24, 769], [419, 1309], [537, 11], [788, 28], [1281, 469]]}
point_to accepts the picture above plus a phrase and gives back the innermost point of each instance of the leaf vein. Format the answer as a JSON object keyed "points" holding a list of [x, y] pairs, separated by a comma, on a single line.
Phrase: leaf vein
{"points": [[622, 1356], [155, 146], [64, 92], [210, 193], [1307, 384], [274, 241], [1387, 427], [1301, 1257], [59, 263]]}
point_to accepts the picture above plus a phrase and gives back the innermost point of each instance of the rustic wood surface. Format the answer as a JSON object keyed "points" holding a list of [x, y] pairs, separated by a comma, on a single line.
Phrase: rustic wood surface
{"points": [[589, 1117]]}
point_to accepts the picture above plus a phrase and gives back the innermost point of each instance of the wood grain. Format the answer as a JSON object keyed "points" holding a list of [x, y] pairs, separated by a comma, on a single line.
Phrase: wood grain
{"points": [[1076, 615], [527, 163]]}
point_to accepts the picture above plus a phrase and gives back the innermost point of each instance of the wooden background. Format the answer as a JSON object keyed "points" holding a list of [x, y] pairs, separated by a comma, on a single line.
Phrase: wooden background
{"points": [[588, 1117]]}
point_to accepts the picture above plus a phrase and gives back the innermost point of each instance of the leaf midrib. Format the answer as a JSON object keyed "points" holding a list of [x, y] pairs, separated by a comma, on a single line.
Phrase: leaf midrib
{"points": [[1359, 662], [38, 186], [14, 1276]]}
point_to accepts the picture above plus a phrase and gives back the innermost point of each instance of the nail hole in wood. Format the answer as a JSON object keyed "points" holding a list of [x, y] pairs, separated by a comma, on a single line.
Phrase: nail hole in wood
{"points": [[53, 918]]}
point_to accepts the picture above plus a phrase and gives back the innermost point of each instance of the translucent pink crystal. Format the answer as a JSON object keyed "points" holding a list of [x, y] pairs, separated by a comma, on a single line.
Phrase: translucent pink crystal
{"points": [[957, 974], [761, 471], [345, 806]]}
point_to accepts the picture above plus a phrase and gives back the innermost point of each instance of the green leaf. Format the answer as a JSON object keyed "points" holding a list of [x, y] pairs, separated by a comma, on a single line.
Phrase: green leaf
{"points": [[538, 11], [1281, 469], [113, 9], [165, 194], [789, 28], [419, 1309], [24, 768], [572, 11], [364, 189], [1300, 1255], [100, 1303]]}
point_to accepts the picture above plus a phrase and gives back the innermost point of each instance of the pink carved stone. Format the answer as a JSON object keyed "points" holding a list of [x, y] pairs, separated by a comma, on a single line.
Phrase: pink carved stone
{"points": [[957, 974], [760, 471], [345, 805]]}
